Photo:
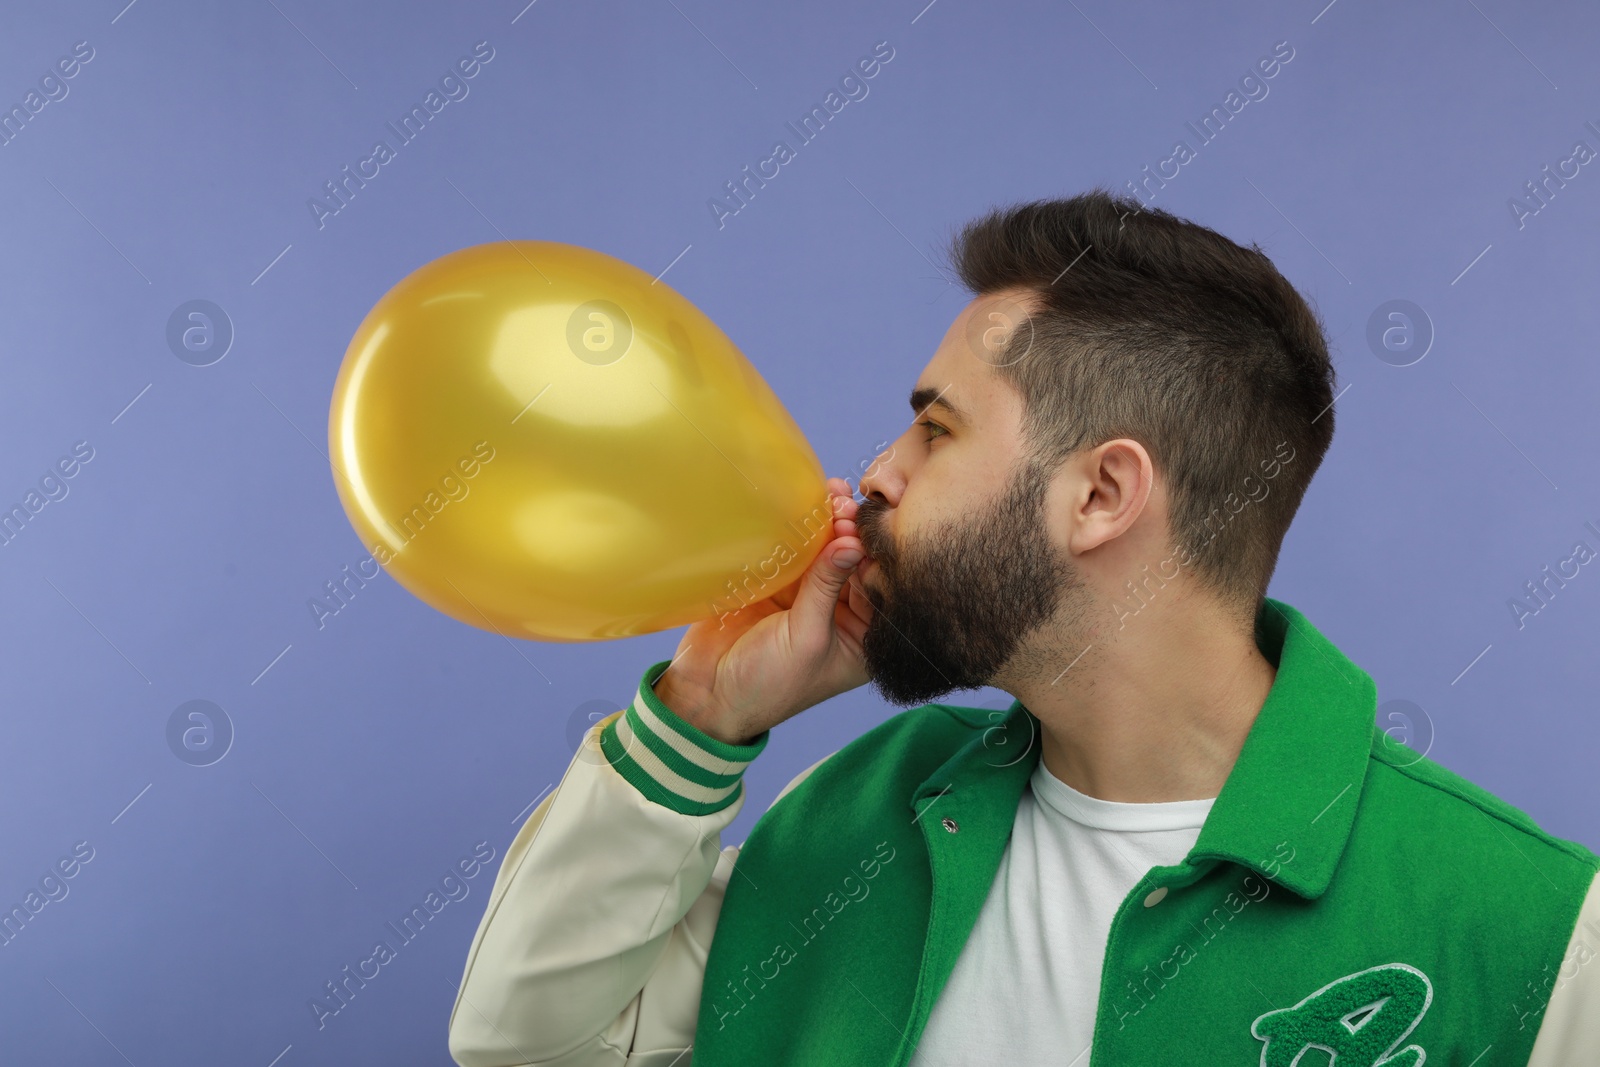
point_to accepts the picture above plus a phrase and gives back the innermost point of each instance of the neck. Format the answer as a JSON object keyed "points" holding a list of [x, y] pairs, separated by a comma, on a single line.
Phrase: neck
{"points": [[1155, 710]]}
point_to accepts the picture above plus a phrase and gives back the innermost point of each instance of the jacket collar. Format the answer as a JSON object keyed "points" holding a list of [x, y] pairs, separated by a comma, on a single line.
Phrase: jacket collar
{"points": [[1298, 779], [1289, 803]]}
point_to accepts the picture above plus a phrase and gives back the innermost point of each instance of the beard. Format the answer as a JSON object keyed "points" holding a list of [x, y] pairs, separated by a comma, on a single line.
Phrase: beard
{"points": [[953, 606]]}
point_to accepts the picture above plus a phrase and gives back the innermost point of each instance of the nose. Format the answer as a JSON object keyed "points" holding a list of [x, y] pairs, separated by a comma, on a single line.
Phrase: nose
{"points": [[885, 479]]}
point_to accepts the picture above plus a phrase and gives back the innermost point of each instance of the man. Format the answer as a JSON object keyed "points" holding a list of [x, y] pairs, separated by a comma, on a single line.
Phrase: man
{"points": [[1186, 842]]}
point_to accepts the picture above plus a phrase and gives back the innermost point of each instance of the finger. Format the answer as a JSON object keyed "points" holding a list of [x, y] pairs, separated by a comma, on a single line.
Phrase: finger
{"points": [[855, 597], [816, 600], [784, 597], [850, 624]]}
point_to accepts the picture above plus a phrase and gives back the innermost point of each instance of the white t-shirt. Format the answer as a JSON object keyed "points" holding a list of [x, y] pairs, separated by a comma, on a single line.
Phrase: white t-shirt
{"points": [[1027, 982]]}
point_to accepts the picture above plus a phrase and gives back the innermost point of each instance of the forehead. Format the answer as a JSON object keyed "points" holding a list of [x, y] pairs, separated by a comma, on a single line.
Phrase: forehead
{"points": [[960, 383]]}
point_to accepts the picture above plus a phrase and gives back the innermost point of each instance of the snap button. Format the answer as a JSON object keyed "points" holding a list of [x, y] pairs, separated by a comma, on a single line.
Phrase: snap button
{"points": [[1156, 896], [949, 824]]}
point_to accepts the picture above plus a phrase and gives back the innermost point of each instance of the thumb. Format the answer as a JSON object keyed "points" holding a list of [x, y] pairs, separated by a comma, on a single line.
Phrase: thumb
{"points": [[832, 568]]}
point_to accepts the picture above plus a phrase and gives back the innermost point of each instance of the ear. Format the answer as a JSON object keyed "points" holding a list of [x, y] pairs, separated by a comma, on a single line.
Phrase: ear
{"points": [[1114, 484]]}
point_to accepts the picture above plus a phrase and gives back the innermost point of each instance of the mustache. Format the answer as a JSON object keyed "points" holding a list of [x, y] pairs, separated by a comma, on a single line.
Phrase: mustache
{"points": [[869, 528]]}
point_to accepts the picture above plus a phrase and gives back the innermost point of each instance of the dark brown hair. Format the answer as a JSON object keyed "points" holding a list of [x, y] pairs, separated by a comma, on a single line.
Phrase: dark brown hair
{"points": [[1152, 327]]}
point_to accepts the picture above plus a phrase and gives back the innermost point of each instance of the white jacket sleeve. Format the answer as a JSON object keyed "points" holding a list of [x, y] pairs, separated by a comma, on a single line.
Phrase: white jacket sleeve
{"points": [[593, 944], [1569, 1029]]}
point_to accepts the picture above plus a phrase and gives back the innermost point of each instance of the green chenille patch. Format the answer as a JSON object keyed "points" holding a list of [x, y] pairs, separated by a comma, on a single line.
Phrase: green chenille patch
{"points": [[1360, 1018]]}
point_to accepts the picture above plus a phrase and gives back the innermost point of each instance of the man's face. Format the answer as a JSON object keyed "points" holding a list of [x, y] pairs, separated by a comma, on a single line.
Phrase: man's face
{"points": [[962, 567]]}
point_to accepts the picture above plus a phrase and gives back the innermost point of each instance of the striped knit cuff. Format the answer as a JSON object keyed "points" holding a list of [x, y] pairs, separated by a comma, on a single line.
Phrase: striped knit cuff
{"points": [[670, 761]]}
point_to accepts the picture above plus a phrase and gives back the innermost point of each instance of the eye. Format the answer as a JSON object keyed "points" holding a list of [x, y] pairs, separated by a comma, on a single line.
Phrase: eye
{"points": [[932, 426]]}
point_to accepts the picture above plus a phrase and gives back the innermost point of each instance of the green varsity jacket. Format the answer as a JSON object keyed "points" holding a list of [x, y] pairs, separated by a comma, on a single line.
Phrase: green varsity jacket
{"points": [[1348, 901]]}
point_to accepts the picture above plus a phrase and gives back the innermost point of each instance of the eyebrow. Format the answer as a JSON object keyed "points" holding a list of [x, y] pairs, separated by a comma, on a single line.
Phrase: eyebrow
{"points": [[927, 397]]}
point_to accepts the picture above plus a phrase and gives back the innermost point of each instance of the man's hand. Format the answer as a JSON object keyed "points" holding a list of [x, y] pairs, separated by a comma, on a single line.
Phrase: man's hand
{"points": [[742, 673]]}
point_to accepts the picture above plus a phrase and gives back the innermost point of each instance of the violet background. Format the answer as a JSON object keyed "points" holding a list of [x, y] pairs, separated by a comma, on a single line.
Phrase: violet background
{"points": [[378, 749]]}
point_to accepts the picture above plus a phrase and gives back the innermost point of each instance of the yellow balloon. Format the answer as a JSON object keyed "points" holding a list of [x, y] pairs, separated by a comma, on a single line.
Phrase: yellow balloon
{"points": [[541, 440]]}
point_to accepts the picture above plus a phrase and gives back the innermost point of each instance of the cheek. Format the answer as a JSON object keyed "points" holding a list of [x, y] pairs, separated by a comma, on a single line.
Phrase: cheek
{"points": [[1059, 499], [897, 525]]}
